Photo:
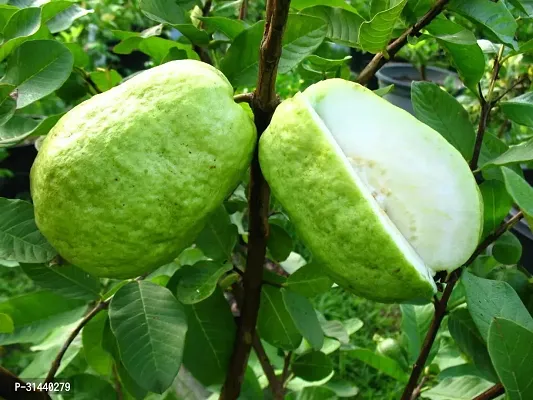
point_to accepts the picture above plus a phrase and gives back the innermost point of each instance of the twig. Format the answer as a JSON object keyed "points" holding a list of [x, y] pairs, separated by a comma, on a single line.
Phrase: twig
{"points": [[243, 11], [57, 361], [286, 368], [518, 82], [275, 384], [486, 106], [380, 58], [418, 389], [491, 393], [118, 387], [441, 305], [243, 98], [263, 105]]}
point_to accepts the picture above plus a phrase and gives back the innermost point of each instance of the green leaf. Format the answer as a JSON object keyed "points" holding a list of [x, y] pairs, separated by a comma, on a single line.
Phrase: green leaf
{"points": [[525, 6], [209, 339], [384, 364], [309, 281], [22, 25], [89, 387], [467, 337], [240, 64], [279, 243], [19, 128], [489, 299], [462, 46], [167, 11], [158, 48], [150, 326], [343, 26], [374, 35], [195, 35], [219, 236], [64, 19], [304, 316], [415, 9], [441, 111], [496, 205], [415, 324], [105, 80], [303, 34], [37, 68], [65, 280], [343, 388], [199, 281], [301, 4], [319, 64], [20, 240], [81, 58], [229, 27], [174, 54], [92, 337], [461, 388], [516, 154], [520, 191], [384, 90], [492, 148], [6, 324], [312, 366], [519, 109], [6, 12], [507, 249], [315, 393], [274, 323], [36, 314], [511, 350], [8, 104], [334, 329], [494, 18]]}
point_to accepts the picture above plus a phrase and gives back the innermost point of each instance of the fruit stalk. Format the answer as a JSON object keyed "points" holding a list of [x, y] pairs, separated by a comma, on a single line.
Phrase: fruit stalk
{"points": [[263, 105], [382, 57]]}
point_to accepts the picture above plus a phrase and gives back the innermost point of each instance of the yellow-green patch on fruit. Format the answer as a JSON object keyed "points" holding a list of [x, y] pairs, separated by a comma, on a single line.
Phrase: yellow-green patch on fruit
{"points": [[125, 180], [381, 199]]}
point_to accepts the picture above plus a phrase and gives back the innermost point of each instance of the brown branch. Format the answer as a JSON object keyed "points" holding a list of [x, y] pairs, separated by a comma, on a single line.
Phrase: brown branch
{"points": [[275, 384], [12, 388], [243, 98], [418, 389], [286, 368], [382, 57], [118, 387], [57, 361], [491, 393], [243, 11], [514, 85], [263, 105], [486, 106], [441, 305]]}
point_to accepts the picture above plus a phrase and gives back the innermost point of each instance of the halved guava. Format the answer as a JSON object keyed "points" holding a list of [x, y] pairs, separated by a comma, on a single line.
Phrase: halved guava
{"points": [[382, 200]]}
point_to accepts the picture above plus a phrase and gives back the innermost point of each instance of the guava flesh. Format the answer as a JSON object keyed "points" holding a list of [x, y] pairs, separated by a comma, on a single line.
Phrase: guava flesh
{"points": [[371, 190]]}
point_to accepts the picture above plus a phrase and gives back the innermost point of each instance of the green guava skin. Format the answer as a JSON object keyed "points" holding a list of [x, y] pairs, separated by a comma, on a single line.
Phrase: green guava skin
{"points": [[124, 181], [308, 178]]}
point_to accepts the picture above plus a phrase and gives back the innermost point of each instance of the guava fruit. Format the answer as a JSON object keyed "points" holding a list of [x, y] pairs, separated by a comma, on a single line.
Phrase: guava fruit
{"points": [[380, 199], [126, 179]]}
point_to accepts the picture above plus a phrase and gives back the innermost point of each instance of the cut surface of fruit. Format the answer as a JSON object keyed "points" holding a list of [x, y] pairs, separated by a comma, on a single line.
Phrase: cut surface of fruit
{"points": [[380, 198]]}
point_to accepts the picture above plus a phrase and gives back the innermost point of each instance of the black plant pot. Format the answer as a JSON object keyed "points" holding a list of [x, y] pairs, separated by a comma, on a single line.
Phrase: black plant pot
{"points": [[401, 75], [19, 162]]}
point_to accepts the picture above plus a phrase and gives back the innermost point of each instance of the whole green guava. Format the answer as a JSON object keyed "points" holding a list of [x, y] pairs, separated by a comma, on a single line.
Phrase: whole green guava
{"points": [[125, 180]]}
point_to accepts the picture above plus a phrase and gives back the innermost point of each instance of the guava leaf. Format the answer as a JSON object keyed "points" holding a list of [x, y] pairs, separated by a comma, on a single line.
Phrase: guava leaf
{"points": [[511, 348], [441, 111], [274, 323], [494, 18], [313, 366], [150, 326], [219, 236], [92, 336], [199, 281], [20, 240], [496, 204], [520, 109], [516, 154], [384, 364], [507, 249], [209, 339], [229, 27], [309, 280], [167, 11], [66, 280], [374, 35], [488, 299], [304, 316], [520, 191], [342, 25], [467, 387]]}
